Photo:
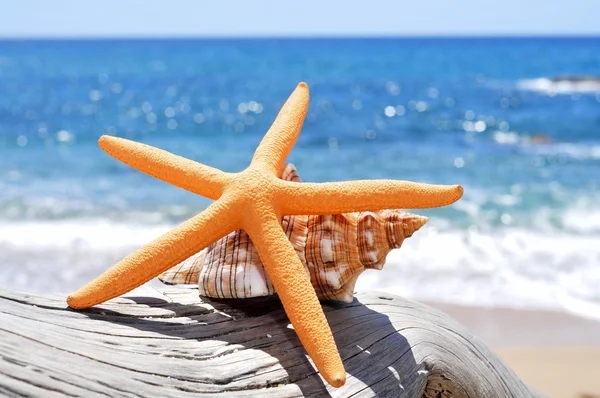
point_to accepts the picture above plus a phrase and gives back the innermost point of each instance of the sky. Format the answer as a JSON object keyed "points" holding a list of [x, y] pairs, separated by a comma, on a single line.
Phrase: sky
{"points": [[151, 18]]}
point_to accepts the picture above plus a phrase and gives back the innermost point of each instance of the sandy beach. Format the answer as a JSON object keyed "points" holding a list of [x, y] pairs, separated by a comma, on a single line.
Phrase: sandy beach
{"points": [[555, 353], [557, 371]]}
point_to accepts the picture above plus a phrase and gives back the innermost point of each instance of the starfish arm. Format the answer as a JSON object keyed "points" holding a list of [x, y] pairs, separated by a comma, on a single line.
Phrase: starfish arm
{"points": [[281, 137], [350, 196], [157, 256], [292, 284], [179, 171]]}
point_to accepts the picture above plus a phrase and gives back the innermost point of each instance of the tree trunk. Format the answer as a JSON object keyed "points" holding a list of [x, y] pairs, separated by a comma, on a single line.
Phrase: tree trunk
{"points": [[170, 342]]}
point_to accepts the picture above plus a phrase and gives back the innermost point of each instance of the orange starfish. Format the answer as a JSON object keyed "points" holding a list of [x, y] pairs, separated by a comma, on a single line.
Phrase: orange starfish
{"points": [[255, 200]]}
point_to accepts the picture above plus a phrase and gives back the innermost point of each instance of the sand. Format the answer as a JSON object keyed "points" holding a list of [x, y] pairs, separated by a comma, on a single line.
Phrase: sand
{"points": [[561, 371], [555, 353]]}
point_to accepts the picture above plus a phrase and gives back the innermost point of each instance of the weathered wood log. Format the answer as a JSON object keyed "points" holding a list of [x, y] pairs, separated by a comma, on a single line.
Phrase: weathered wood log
{"points": [[172, 343]]}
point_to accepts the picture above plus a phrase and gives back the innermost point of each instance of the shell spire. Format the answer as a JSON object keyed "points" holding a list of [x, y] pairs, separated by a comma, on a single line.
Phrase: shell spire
{"points": [[335, 250], [380, 232]]}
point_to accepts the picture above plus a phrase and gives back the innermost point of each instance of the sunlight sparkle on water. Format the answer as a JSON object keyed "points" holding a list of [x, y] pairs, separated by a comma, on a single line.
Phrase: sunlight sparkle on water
{"points": [[389, 111], [21, 140], [169, 112]]}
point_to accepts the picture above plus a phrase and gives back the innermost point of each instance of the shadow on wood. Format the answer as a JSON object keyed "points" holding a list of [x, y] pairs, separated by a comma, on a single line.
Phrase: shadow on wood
{"points": [[170, 342]]}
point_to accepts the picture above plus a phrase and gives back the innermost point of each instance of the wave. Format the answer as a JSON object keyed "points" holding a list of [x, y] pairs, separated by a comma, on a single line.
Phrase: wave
{"points": [[514, 268], [562, 85], [61, 256], [511, 267], [77, 234], [542, 144], [580, 151]]}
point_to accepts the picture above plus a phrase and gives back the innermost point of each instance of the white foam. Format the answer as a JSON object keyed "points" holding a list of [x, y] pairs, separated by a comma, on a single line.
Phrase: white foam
{"points": [[561, 86], [506, 137], [581, 151], [581, 218], [89, 234], [511, 268], [576, 151]]}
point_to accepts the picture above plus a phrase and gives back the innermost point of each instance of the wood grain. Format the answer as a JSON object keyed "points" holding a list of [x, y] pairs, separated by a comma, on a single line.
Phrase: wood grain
{"points": [[170, 342]]}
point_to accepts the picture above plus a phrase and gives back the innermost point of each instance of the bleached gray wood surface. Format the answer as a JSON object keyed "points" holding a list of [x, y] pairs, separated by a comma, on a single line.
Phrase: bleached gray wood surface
{"points": [[171, 343]]}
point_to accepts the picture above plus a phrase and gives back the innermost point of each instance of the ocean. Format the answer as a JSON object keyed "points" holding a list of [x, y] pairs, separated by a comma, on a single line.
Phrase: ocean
{"points": [[516, 121]]}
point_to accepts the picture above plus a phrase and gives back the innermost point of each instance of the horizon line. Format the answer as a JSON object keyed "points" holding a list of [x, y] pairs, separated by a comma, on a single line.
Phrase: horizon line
{"points": [[317, 36]]}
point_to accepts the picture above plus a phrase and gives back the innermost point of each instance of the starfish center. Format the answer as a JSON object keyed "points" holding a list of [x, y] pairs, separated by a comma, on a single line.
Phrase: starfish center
{"points": [[255, 185]]}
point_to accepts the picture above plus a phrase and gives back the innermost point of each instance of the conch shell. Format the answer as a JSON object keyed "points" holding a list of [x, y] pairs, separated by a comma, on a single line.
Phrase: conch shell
{"points": [[335, 249]]}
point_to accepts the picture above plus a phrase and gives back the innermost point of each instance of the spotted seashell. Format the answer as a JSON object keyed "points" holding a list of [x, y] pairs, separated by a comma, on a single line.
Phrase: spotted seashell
{"points": [[335, 249]]}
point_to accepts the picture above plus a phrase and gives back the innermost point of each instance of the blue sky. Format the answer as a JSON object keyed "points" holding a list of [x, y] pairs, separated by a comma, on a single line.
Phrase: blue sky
{"points": [[70, 18]]}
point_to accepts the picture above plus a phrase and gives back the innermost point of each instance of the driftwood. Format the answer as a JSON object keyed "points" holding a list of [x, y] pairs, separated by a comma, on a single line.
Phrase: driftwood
{"points": [[171, 343]]}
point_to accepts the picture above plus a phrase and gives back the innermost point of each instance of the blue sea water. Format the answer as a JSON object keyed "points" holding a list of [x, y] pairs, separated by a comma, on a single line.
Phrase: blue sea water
{"points": [[484, 113]]}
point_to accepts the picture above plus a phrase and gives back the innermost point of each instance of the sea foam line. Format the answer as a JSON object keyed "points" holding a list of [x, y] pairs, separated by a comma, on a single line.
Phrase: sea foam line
{"points": [[509, 267], [515, 268], [88, 234], [565, 85]]}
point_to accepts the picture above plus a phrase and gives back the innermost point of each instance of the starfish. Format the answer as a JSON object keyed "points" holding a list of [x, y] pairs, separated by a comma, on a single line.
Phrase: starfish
{"points": [[255, 200]]}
